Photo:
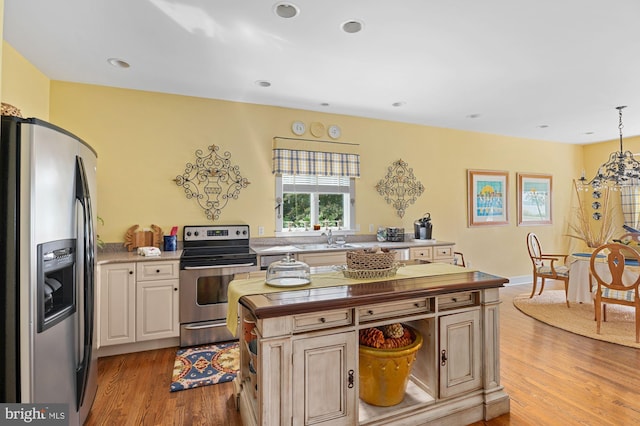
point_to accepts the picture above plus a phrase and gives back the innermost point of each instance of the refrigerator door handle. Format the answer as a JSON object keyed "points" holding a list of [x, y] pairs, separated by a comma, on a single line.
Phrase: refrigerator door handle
{"points": [[83, 196]]}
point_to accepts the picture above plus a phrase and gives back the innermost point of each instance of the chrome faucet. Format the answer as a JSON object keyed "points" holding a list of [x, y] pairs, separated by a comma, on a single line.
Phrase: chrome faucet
{"points": [[329, 236]]}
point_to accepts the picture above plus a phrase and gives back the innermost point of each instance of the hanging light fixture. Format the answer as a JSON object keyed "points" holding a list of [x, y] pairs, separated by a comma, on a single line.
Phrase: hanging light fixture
{"points": [[621, 169]]}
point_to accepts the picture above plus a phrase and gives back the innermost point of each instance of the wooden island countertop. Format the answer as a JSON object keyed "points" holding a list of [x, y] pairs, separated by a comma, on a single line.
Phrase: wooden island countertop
{"points": [[304, 300]]}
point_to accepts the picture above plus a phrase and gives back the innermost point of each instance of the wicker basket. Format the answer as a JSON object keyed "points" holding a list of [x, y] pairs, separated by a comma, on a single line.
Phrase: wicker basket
{"points": [[361, 260], [370, 273]]}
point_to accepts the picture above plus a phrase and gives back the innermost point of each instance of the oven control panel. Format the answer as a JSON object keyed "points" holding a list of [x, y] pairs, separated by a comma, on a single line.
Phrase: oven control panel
{"points": [[215, 232]]}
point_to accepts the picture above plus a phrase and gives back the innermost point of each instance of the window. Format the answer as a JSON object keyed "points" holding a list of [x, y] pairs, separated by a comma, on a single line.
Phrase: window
{"points": [[308, 200]]}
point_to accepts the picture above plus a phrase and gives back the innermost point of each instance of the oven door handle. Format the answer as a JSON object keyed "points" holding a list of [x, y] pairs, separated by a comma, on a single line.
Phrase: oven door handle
{"points": [[219, 266], [200, 327]]}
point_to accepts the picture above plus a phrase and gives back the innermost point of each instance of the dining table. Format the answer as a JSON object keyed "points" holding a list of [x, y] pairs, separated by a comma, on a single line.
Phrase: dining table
{"points": [[581, 282]]}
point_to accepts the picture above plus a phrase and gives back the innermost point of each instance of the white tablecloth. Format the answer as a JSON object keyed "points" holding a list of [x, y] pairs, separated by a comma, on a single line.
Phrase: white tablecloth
{"points": [[579, 288]]}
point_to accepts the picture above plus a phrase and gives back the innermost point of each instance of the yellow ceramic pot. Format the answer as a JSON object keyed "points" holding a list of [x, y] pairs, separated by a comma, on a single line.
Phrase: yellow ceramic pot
{"points": [[384, 373]]}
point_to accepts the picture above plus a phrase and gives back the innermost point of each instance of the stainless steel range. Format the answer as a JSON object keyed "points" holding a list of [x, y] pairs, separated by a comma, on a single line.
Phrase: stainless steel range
{"points": [[211, 256]]}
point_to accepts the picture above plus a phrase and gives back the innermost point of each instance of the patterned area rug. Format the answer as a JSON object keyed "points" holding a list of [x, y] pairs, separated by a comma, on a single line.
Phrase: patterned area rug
{"points": [[205, 365], [550, 308]]}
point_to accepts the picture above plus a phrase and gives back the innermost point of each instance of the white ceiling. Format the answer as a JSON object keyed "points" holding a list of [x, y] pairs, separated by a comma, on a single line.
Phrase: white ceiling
{"points": [[514, 65]]}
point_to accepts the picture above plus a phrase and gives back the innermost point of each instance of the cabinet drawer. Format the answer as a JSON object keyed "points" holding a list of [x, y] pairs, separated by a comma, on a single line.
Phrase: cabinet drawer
{"points": [[443, 253], [320, 320], [146, 271], [421, 253], [457, 300], [393, 309]]}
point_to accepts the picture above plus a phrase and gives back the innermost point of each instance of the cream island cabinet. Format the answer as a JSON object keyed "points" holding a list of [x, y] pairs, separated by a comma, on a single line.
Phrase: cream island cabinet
{"points": [[307, 351], [138, 301]]}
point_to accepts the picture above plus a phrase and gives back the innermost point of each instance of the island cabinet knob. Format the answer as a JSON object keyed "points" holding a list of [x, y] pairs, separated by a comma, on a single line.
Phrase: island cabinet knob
{"points": [[157, 271], [370, 312], [323, 320], [130, 272]]}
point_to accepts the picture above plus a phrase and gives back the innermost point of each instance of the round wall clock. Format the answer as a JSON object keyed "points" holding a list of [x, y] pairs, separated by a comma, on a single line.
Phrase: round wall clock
{"points": [[298, 128], [317, 129], [334, 131]]}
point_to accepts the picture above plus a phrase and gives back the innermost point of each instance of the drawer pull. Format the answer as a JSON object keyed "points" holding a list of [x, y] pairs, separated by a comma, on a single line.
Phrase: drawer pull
{"points": [[323, 320], [455, 299], [417, 305], [157, 271], [370, 312], [130, 272]]}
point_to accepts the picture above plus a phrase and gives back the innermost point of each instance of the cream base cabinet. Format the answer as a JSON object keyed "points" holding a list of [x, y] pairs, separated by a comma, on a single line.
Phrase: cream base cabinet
{"points": [[138, 301], [157, 310], [157, 301], [441, 253], [117, 304], [459, 349], [324, 380]]}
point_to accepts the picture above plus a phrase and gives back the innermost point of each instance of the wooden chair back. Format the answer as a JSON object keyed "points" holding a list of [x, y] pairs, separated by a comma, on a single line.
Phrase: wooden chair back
{"points": [[546, 266], [535, 250], [613, 290]]}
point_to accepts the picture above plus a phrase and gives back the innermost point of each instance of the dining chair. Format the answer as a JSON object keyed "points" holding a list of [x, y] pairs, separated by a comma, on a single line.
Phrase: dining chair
{"points": [[613, 289], [547, 266]]}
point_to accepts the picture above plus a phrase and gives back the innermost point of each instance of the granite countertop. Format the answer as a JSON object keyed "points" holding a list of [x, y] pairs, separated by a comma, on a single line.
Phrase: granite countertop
{"points": [[266, 249], [133, 256]]}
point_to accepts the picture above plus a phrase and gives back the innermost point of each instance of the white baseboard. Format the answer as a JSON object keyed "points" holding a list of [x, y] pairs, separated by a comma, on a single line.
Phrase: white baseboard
{"points": [[521, 279]]}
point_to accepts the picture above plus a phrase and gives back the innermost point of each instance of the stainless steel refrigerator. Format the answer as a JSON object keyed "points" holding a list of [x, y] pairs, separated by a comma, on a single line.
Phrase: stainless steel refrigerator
{"points": [[47, 266]]}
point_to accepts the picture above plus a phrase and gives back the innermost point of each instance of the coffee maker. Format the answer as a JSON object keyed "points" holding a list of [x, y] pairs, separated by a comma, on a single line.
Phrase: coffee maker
{"points": [[423, 227]]}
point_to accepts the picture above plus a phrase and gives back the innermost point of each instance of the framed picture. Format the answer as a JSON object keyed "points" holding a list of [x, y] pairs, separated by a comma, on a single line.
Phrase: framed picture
{"points": [[488, 201], [534, 199]]}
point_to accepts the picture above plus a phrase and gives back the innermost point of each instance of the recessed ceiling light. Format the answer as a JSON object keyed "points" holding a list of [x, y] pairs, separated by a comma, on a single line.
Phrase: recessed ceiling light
{"points": [[263, 83], [543, 126], [286, 10], [118, 63], [476, 115], [590, 133], [352, 26], [398, 104], [324, 104]]}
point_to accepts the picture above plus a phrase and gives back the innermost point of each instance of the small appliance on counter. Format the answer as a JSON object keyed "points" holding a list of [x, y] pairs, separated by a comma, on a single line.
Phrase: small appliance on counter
{"points": [[423, 227], [395, 234]]}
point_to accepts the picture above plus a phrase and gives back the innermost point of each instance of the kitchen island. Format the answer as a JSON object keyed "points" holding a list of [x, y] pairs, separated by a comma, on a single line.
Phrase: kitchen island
{"points": [[306, 368]]}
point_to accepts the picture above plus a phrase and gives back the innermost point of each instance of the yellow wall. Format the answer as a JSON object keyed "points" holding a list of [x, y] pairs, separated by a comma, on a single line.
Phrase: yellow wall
{"points": [[23, 85], [144, 140]]}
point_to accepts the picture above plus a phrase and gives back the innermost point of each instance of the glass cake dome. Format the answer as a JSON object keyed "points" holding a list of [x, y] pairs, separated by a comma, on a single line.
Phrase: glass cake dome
{"points": [[288, 272]]}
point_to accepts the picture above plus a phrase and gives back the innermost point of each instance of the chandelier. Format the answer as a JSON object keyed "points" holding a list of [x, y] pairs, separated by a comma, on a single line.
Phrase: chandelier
{"points": [[621, 169]]}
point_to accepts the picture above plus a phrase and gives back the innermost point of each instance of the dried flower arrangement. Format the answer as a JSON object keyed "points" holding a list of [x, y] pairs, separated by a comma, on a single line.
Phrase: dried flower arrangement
{"points": [[392, 336], [582, 225]]}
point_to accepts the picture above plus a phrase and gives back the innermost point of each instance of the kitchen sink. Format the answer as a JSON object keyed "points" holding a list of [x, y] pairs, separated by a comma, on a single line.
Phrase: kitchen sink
{"points": [[326, 246]]}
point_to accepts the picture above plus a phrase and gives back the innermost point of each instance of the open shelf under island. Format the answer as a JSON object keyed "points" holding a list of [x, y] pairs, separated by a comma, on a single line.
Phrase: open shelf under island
{"points": [[306, 369]]}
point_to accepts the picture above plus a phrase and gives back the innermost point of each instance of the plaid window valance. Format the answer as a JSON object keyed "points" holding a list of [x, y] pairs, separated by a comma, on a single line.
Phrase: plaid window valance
{"points": [[296, 162], [630, 201]]}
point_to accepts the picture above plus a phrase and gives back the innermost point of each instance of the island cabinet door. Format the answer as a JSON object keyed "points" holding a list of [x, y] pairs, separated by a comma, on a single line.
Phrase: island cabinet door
{"points": [[460, 353], [324, 388]]}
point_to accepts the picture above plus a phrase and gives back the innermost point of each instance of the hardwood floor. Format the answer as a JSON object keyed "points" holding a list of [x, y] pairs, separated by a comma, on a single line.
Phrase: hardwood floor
{"points": [[553, 378]]}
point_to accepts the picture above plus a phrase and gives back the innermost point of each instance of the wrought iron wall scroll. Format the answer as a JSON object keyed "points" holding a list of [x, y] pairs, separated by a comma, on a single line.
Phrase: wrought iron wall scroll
{"points": [[212, 180], [400, 187]]}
